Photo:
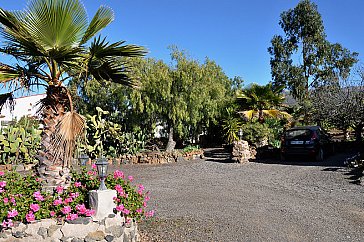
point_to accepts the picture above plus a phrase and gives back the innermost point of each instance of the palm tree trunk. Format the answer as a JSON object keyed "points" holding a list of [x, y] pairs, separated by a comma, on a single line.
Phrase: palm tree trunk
{"points": [[54, 105]]}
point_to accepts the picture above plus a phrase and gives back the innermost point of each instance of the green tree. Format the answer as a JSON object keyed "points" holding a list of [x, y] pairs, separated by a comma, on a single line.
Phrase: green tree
{"points": [[49, 42], [260, 101], [303, 57], [185, 96]]}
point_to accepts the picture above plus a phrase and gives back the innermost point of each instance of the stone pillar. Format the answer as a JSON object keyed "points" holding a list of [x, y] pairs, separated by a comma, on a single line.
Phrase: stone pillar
{"points": [[102, 202]]}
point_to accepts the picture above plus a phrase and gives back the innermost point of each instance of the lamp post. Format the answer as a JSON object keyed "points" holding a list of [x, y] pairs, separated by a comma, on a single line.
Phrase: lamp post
{"points": [[240, 134], [83, 158], [102, 166]]}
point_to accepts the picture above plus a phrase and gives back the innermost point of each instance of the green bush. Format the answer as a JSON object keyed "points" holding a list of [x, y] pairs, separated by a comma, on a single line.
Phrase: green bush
{"points": [[255, 132]]}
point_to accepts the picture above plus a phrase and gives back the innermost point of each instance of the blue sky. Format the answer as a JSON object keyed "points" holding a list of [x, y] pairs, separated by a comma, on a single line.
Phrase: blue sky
{"points": [[234, 33]]}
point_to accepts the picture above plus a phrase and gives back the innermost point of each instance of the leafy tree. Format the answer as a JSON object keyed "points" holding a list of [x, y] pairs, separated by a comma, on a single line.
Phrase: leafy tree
{"points": [[261, 101], [49, 42], [185, 96], [303, 57]]}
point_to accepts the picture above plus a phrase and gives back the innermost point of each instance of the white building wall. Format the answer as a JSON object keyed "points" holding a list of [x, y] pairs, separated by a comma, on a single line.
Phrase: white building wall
{"points": [[23, 106]]}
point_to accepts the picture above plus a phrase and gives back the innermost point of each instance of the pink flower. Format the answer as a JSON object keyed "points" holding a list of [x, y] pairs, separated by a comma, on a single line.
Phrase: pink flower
{"points": [[78, 184], [66, 210], [72, 216], [126, 211], [7, 224], [140, 189], [13, 213], [12, 200], [139, 210], [34, 207], [2, 183], [30, 217], [38, 196], [120, 208], [52, 213], [6, 200], [131, 178], [74, 195], [147, 198], [149, 214], [144, 204], [118, 174], [118, 188], [93, 166], [81, 208], [89, 212], [59, 189], [68, 200], [57, 202], [2, 173], [91, 173]]}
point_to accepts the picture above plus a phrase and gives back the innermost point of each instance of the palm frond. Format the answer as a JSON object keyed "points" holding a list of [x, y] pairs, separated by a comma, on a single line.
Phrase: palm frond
{"points": [[103, 17], [55, 24], [64, 139], [7, 99]]}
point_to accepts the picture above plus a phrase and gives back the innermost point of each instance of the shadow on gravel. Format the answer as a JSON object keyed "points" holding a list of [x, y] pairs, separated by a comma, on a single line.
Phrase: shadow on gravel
{"points": [[354, 175], [332, 163]]}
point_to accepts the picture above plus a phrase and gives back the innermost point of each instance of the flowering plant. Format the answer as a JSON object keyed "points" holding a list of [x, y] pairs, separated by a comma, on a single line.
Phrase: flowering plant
{"points": [[21, 198], [131, 200]]}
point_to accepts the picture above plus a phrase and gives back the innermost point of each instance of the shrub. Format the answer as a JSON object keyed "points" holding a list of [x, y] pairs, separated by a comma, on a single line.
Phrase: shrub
{"points": [[21, 198], [255, 132]]}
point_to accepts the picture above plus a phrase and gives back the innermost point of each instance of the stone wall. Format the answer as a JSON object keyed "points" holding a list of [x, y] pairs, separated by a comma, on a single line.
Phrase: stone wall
{"points": [[112, 228], [157, 157]]}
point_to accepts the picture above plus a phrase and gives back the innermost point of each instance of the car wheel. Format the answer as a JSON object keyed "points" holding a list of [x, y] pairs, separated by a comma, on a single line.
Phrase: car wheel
{"points": [[320, 155]]}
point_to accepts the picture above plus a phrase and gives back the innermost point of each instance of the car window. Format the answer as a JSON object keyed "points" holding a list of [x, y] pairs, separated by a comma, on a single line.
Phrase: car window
{"points": [[299, 133]]}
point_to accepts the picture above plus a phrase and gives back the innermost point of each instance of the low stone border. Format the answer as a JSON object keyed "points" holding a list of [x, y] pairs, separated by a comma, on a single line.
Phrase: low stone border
{"points": [[113, 228], [156, 157]]}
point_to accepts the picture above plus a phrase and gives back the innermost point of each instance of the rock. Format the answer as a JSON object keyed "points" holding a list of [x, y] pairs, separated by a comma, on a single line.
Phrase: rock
{"points": [[56, 235], [241, 151], [116, 230], [81, 230], [109, 238], [97, 236], [80, 220], [19, 234], [21, 227], [52, 229], [77, 240], [42, 232], [116, 221]]}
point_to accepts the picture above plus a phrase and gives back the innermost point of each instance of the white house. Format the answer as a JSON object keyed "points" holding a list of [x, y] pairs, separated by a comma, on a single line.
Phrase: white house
{"points": [[24, 106]]}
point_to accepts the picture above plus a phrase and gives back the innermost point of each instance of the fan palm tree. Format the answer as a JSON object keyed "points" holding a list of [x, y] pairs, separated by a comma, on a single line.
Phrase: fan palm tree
{"points": [[52, 42], [261, 101]]}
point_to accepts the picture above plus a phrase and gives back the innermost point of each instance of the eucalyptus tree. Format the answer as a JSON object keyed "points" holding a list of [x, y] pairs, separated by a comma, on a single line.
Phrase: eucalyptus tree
{"points": [[53, 41], [303, 58]]}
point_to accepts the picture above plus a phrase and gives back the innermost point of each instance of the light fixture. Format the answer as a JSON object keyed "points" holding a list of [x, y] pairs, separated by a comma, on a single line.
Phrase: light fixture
{"points": [[240, 134], [83, 158], [102, 166]]}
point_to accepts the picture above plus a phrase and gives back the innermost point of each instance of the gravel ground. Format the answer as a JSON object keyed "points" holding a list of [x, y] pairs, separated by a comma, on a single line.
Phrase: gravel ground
{"points": [[213, 200]]}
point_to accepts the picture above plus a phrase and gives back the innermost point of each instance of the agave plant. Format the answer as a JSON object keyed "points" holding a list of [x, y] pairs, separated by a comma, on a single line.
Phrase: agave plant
{"points": [[52, 42]]}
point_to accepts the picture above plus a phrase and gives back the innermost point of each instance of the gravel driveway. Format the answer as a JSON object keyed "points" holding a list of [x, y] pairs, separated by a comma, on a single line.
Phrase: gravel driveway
{"points": [[213, 200]]}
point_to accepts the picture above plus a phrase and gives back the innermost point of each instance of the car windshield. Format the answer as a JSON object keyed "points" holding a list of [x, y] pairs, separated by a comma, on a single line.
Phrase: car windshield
{"points": [[298, 133]]}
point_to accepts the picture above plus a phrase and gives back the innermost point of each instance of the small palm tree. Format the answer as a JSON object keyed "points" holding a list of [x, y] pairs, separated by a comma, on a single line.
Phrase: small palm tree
{"points": [[261, 101], [52, 42]]}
